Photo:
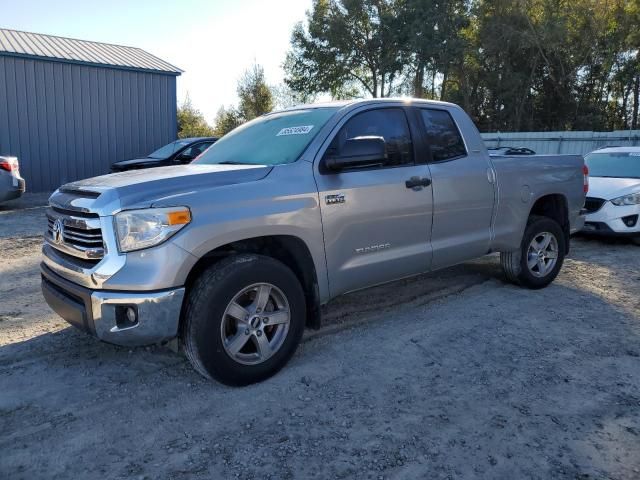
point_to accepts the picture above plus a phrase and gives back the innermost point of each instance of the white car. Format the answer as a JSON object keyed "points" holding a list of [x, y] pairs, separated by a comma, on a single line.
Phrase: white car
{"points": [[612, 206], [11, 183]]}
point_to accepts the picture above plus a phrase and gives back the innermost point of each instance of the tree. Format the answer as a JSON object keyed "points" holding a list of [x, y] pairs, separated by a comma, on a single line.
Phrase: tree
{"points": [[226, 120], [432, 42], [191, 122], [285, 97], [256, 99], [512, 64], [348, 48], [255, 96]]}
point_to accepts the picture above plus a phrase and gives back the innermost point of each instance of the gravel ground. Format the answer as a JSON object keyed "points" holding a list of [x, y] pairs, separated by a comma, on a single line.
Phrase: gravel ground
{"points": [[451, 375]]}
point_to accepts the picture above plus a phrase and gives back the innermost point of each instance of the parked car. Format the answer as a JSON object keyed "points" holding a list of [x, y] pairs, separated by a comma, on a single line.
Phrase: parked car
{"points": [[613, 205], [496, 151], [235, 253], [182, 151], [12, 185]]}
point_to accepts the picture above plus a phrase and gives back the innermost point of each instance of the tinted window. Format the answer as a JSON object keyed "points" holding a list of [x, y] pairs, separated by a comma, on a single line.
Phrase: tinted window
{"points": [[388, 123], [443, 136], [194, 150], [168, 150]]}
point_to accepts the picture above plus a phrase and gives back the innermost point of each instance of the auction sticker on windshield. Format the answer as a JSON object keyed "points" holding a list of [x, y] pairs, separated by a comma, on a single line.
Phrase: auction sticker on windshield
{"points": [[301, 130]]}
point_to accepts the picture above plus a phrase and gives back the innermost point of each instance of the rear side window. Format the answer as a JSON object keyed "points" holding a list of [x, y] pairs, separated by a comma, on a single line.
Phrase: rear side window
{"points": [[443, 136], [388, 123]]}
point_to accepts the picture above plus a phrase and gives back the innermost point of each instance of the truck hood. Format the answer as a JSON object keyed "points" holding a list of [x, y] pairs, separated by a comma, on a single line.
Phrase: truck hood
{"points": [[142, 188], [610, 188]]}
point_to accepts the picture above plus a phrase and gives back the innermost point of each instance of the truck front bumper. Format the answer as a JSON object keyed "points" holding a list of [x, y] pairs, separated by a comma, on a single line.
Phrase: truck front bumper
{"points": [[103, 313]]}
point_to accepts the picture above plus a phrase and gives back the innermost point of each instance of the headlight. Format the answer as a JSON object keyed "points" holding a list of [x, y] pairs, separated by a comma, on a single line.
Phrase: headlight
{"points": [[138, 229], [631, 199]]}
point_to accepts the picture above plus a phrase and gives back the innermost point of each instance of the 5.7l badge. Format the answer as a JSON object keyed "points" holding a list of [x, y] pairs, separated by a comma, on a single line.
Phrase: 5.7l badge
{"points": [[333, 199]]}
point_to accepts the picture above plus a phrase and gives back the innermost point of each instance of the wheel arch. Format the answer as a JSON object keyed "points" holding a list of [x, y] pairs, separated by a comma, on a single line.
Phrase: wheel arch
{"points": [[288, 249], [556, 207]]}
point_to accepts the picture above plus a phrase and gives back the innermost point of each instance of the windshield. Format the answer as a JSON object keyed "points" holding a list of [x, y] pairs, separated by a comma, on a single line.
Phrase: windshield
{"points": [[271, 140], [168, 150], [615, 164]]}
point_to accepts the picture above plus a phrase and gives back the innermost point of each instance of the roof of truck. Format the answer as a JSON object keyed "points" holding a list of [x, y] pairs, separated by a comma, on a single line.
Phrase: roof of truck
{"points": [[366, 101]]}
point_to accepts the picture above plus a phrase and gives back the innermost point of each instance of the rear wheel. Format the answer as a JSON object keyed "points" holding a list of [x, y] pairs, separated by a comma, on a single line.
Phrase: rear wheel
{"points": [[540, 257], [243, 320]]}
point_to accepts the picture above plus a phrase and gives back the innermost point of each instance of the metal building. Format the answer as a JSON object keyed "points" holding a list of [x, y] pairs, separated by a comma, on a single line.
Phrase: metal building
{"points": [[70, 108]]}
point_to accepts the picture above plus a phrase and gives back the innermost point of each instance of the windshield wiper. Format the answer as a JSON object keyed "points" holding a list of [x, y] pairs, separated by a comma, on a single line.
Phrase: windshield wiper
{"points": [[234, 163]]}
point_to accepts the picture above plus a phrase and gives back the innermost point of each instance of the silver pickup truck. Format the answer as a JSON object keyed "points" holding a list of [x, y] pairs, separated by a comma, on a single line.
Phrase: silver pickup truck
{"points": [[235, 253]]}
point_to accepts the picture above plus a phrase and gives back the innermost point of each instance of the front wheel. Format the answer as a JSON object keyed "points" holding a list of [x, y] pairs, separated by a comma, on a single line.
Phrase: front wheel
{"points": [[243, 319], [540, 257]]}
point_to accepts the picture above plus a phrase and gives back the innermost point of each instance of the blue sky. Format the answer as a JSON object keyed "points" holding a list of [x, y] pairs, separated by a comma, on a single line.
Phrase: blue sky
{"points": [[214, 41]]}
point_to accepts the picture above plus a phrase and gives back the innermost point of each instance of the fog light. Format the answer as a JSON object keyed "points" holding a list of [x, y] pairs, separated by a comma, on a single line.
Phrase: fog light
{"points": [[126, 316], [630, 221]]}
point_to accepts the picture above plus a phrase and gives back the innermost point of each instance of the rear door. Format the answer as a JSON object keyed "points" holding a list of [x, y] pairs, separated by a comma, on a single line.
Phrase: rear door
{"points": [[463, 191], [376, 228]]}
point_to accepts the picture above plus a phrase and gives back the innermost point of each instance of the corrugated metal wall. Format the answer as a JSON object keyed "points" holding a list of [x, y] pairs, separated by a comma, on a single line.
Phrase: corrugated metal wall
{"points": [[563, 142], [67, 121]]}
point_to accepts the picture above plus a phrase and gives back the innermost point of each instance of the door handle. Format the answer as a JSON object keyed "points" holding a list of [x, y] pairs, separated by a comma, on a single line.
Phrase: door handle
{"points": [[415, 182]]}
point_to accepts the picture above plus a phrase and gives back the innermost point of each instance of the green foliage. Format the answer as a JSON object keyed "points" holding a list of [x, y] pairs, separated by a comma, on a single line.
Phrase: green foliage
{"points": [[226, 120], [349, 48], [256, 98], [512, 64], [191, 122]]}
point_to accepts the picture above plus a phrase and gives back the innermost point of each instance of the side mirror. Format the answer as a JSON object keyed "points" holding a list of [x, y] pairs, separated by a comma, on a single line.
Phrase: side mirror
{"points": [[358, 152]]}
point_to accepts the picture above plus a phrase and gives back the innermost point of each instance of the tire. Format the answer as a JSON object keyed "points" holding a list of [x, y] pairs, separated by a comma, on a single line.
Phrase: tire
{"points": [[516, 264], [222, 347], [636, 241]]}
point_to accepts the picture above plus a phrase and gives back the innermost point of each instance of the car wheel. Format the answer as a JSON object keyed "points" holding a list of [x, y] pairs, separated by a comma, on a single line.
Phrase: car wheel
{"points": [[540, 257], [243, 319]]}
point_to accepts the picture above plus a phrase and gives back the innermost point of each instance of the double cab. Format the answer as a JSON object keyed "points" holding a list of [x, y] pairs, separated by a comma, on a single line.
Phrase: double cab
{"points": [[235, 253]]}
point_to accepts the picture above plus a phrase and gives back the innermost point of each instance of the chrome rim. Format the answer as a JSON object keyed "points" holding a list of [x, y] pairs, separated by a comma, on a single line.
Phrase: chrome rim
{"points": [[255, 324], [542, 254]]}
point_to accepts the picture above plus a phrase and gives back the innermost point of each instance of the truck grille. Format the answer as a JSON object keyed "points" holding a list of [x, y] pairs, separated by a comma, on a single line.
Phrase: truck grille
{"points": [[77, 234], [592, 204]]}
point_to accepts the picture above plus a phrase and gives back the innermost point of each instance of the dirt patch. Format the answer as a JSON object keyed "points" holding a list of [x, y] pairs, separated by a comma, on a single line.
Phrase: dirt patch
{"points": [[450, 375]]}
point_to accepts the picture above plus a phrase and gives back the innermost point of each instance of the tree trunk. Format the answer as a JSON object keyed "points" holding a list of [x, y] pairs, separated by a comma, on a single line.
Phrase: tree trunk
{"points": [[374, 79], [443, 88], [636, 101], [418, 81]]}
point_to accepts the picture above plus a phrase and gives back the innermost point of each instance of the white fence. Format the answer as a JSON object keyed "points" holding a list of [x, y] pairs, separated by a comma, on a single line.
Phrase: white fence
{"points": [[563, 142]]}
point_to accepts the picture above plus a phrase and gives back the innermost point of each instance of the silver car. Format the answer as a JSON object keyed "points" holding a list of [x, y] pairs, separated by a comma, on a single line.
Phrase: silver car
{"points": [[12, 185]]}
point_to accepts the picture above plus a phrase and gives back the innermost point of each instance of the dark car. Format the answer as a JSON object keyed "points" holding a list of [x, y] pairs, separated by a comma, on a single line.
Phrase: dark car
{"points": [[508, 151], [183, 150]]}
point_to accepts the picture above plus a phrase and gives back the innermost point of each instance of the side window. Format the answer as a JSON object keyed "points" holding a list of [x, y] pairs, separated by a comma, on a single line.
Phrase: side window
{"points": [[443, 136], [388, 123], [201, 147], [194, 150]]}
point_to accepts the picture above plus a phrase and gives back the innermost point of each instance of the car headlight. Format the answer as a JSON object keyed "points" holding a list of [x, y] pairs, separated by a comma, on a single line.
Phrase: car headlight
{"points": [[631, 199], [138, 229]]}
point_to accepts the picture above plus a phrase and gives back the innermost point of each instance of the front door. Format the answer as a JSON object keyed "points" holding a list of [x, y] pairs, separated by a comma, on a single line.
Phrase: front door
{"points": [[376, 227]]}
